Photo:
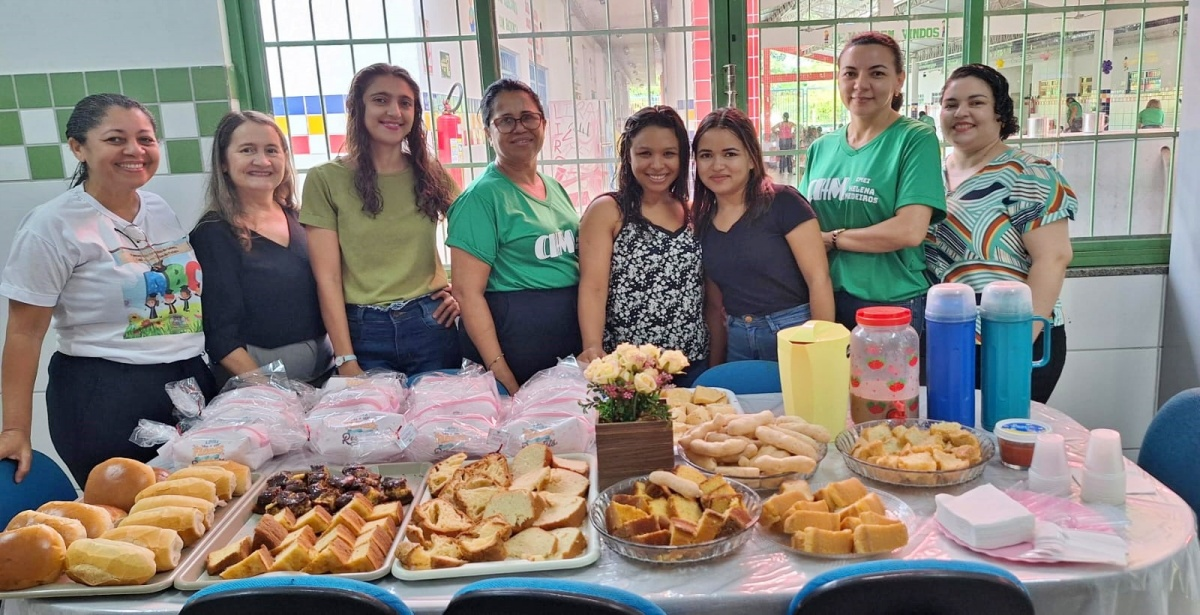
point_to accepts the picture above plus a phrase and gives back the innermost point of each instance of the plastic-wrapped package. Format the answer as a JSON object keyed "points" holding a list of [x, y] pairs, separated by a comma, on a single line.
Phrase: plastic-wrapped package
{"points": [[452, 413], [438, 437], [548, 410], [360, 423], [245, 444], [276, 412]]}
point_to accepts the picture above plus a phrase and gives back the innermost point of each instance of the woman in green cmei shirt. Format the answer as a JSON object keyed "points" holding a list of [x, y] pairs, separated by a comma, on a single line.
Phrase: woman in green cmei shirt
{"points": [[1152, 116]]}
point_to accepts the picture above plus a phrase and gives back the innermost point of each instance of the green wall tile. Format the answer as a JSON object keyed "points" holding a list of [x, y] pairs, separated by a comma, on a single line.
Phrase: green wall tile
{"points": [[157, 113], [8, 95], [210, 83], [67, 88], [45, 162], [61, 116], [33, 91], [10, 128], [209, 115], [174, 84], [139, 85], [103, 81], [184, 156]]}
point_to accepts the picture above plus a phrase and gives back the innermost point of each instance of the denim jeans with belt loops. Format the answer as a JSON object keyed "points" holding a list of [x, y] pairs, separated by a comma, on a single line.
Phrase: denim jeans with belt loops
{"points": [[754, 337], [403, 337]]}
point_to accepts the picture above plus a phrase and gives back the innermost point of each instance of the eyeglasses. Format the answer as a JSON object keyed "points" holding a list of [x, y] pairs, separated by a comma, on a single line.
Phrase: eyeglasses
{"points": [[507, 124], [137, 237]]}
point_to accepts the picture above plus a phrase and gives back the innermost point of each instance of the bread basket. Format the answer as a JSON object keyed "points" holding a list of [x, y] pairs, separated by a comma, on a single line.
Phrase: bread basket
{"points": [[666, 554], [913, 478]]}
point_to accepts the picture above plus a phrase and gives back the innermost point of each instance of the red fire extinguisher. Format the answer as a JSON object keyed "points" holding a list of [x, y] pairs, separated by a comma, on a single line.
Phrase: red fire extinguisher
{"points": [[447, 132]]}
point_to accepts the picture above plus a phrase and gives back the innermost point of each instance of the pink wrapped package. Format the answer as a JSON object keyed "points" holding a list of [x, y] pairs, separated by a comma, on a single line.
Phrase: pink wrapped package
{"points": [[452, 413], [548, 410], [245, 444], [276, 412], [438, 437], [361, 423]]}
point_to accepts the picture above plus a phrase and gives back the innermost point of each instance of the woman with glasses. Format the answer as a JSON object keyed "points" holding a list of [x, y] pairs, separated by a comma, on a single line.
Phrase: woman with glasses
{"points": [[763, 258], [100, 261], [640, 275], [512, 245], [876, 186], [372, 217], [260, 295]]}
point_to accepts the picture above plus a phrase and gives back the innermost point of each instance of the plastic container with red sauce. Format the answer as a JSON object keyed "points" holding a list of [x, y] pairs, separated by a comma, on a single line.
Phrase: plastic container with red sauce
{"points": [[1017, 438]]}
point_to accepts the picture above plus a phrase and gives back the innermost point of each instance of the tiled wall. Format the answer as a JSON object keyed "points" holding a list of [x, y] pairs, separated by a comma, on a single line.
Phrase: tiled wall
{"points": [[186, 102]]}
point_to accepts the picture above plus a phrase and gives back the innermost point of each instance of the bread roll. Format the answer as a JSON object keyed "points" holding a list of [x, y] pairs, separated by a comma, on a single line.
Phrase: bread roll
{"points": [[116, 513], [96, 561], [206, 508], [192, 487], [187, 521], [70, 529], [95, 520], [31, 556], [165, 544], [240, 471], [222, 479], [117, 481]]}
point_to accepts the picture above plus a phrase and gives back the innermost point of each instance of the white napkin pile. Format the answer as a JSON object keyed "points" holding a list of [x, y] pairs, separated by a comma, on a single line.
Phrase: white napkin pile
{"points": [[985, 518], [1059, 543]]}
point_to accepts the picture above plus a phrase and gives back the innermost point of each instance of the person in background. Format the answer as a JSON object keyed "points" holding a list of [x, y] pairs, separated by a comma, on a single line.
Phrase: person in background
{"points": [[1152, 116], [97, 259], [372, 217], [641, 278], [259, 293], [785, 136], [512, 239], [1074, 114], [927, 119], [1007, 210], [763, 256], [876, 186]]}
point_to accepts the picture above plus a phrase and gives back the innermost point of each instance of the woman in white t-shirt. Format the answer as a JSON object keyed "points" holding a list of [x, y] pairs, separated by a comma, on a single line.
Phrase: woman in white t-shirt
{"points": [[113, 268]]}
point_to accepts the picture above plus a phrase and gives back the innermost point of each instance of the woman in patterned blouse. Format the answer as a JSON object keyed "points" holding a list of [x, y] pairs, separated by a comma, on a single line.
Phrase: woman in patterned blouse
{"points": [[639, 261], [1007, 210]]}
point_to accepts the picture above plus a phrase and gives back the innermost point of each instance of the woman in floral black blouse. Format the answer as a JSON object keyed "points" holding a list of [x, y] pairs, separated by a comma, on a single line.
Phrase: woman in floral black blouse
{"points": [[641, 279]]}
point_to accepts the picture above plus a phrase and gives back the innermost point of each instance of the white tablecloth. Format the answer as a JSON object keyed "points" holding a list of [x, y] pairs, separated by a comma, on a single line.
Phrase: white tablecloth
{"points": [[1162, 578]]}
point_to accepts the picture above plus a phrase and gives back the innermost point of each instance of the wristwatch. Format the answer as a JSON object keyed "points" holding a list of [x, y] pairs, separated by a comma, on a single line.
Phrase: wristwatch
{"points": [[341, 360]]}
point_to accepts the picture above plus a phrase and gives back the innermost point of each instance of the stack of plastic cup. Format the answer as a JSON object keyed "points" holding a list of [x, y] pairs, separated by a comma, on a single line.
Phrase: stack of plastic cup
{"points": [[1049, 472], [1104, 469]]}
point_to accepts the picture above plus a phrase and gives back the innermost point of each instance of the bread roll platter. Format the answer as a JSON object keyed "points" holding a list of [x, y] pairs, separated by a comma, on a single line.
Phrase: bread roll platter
{"points": [[841, 520], [689, 407], [761, 451], [497, 515], [341, 521], [129, 534]]}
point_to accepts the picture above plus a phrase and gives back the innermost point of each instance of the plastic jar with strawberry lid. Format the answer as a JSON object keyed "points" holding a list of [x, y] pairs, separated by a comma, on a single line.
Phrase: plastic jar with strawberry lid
{"points": [[884, 365]]}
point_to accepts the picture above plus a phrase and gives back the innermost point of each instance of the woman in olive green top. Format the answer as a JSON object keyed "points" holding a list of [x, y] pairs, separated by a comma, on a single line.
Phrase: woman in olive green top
{"points": [[876, 185], [512, 245], [372, 220]]}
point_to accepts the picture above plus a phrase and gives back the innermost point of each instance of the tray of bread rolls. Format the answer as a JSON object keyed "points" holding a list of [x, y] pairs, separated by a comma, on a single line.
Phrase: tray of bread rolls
{"points": [[340, 521], [497, 515], [128, 534]]}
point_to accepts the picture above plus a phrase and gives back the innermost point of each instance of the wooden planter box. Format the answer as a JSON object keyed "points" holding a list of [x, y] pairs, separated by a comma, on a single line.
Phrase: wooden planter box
{"points": [[624, 450]]}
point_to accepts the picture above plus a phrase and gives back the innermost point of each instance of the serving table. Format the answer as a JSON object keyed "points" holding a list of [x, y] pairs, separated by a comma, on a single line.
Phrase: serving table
{"points": [[1162, 577]]}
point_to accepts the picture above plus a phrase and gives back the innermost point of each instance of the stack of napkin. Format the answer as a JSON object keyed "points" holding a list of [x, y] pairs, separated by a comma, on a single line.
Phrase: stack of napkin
{"points": [[1054, 542], [985, 518]]}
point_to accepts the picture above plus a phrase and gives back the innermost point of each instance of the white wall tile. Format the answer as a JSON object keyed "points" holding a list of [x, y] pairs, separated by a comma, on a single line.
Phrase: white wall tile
{"points": [[1116, 389], [13, 163], [206, 145], [70, 162], [39, 126], [335, 124], [1114, 312], [297, 125], [179, 120]]}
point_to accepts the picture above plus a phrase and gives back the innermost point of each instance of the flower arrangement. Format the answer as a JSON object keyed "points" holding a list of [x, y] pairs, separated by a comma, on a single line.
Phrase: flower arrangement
{"points": [[624, 385]]}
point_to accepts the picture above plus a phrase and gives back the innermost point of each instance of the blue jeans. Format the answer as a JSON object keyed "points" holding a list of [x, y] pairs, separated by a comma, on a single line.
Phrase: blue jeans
{"points": [[754, 337], [407, 340]]}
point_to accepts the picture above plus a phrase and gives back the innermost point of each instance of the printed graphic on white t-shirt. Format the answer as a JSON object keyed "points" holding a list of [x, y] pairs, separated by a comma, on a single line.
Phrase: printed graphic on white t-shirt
{"points": [[165, 300]]}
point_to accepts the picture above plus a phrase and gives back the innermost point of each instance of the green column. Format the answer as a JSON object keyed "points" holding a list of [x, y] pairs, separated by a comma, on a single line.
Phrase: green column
{"points": [[727, 19], [973, 36]]}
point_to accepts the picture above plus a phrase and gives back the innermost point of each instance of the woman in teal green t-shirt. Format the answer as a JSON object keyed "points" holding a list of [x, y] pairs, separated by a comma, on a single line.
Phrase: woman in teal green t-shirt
{"points": [[876, 186], [512, 240]]}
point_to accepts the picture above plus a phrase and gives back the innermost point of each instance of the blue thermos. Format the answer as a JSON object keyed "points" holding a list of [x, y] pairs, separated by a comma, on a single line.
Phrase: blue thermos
{"points": [[1006, 314], [950, 353]]}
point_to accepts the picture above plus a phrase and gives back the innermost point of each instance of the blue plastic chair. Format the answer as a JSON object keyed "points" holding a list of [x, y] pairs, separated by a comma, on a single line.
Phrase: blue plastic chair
{"points": [[903, 587], [743, 377], [505, 596], [294, 595], [46, 482], [1172, 445]]}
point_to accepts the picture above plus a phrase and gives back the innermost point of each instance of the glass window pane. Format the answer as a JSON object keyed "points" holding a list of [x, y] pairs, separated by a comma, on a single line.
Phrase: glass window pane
{"points": [[330, 20], [367, 18]]}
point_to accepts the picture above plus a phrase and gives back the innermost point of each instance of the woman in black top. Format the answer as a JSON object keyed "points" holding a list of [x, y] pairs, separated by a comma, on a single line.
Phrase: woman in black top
{"points": [[260, 299], [763, 256]]}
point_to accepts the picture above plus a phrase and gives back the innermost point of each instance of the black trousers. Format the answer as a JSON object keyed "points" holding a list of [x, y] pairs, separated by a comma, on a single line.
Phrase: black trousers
{"points": [[535, 328], [94, 404], [1044, 379]]}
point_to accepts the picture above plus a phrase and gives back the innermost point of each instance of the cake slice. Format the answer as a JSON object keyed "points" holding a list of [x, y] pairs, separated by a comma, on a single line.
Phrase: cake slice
{"points": [[519, 508], [293, 558], [533, 544], [879, 538], [485, 542], [571, 543], [268, 533], [227, 556], [473, 501], [318, 518], [560, 511], [441, 473], [256, 563], [305, 536], [566, 481], [349, 518], [393, 510], [532, 457], [577, 466]]}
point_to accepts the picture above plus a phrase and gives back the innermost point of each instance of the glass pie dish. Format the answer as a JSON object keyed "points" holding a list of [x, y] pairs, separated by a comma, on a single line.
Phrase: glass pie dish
{"points": [[846, 441]]}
